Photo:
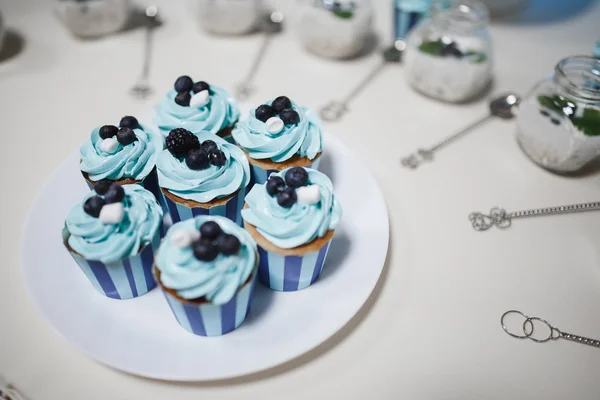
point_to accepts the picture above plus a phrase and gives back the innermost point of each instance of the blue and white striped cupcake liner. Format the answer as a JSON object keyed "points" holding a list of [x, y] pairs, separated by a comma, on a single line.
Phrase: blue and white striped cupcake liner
{"points": [[290, 273], [149, 183], [125, 279], [260, 175], [232, 209], [210, 319]]}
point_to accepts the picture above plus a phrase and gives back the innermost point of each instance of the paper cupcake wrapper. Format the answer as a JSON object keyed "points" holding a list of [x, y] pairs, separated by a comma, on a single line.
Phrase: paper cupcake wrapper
{"points": [[260, 175], [231, 210], [210, 319], [290, 273], [149, 183], [125, 279]]}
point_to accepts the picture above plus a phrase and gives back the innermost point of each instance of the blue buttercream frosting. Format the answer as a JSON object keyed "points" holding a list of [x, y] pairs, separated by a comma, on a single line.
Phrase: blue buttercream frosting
{"points": [[216, 280], [207, 184], [302, 223], [134, 161], [304, 139], [109, 243], [221, 112]]}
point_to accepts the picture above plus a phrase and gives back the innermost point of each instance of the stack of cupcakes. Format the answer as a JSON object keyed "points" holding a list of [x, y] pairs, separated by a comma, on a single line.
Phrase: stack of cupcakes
{"points": [[278, 135], [197, 107]]}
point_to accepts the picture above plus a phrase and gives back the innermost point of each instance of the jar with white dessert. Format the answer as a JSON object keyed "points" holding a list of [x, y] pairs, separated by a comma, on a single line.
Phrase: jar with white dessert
{"points": [[229, 17], [558, 124], [93, 18], [449, 56], [335, 29]]}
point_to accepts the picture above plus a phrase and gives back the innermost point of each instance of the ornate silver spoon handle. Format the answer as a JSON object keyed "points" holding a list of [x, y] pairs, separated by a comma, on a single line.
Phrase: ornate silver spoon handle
{"points": [[500, 218], [271, 24], [334, 110], [529, 325]]}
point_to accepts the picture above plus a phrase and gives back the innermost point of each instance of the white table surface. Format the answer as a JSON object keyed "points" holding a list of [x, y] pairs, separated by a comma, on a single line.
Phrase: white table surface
{"points": [[431, 329]]}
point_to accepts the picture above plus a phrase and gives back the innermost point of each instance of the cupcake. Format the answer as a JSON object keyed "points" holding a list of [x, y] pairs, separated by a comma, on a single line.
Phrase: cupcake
{"points": [[197, 107], [202, 174], [113, 235], [123, 155], [280, 135], [206, 268], [292, 218]]}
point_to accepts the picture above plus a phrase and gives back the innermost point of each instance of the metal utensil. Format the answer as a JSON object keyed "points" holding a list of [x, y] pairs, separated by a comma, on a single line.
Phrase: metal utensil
{"points": [[142, 88], [334, 110], [270, 24], [8, 391], [504, 107], [553, 333], [500, 218]]}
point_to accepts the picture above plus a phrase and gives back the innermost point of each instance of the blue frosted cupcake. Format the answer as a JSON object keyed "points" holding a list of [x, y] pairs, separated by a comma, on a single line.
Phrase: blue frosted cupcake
{"points": [[202, 174], [124, 155], [197, 107], [206, 267], [280, 135], [113, 235], [292, 218]]}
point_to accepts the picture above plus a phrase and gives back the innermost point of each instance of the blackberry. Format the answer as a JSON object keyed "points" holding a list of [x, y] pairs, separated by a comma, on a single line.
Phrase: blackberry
{"points": [[180, 141]]}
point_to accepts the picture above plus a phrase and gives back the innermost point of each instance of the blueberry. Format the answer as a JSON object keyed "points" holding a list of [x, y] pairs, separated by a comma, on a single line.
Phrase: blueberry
{"points": [[289, 116], [200, 86], [93, 205], [108, 131], [264, 112], [281, 103], [209, 146], [183, 84], [114, 194], [296, 177], [197, 159], [101, 187], [126, 136], [205, 251], [129, 122], [218, 158], [275, 184], [183, 99], [287, 197], [228, 244], [210, 230]]}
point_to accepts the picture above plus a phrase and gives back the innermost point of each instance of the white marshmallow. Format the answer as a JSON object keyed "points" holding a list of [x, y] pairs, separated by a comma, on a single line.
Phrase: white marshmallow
{"points": [[274, 125], [109, 145], [309, 194], [112, 213], [200, 99], [184, 238]]}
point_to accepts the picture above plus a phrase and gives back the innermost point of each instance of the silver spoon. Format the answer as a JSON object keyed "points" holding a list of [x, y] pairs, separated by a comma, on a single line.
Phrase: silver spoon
{"points": [[334, 110], [142, 88], [271, 24], [504, 107]]}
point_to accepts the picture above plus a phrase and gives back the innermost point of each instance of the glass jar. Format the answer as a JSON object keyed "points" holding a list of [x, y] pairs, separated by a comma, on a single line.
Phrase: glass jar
{"points": [[229, 17], [335, 28], [558, 123], [93, 18], [449, 56]]}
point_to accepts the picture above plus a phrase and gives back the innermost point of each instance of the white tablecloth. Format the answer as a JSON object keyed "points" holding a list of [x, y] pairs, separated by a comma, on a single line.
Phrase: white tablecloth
{"points": [[431, 330]]}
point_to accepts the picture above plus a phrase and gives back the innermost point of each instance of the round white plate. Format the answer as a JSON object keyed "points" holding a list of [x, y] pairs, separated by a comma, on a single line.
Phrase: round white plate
{"points": [[142, 337]]}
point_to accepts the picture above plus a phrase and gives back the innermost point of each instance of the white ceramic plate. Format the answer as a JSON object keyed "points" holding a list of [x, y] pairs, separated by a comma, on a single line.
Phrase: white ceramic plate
{"points": [[142, 337]]}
